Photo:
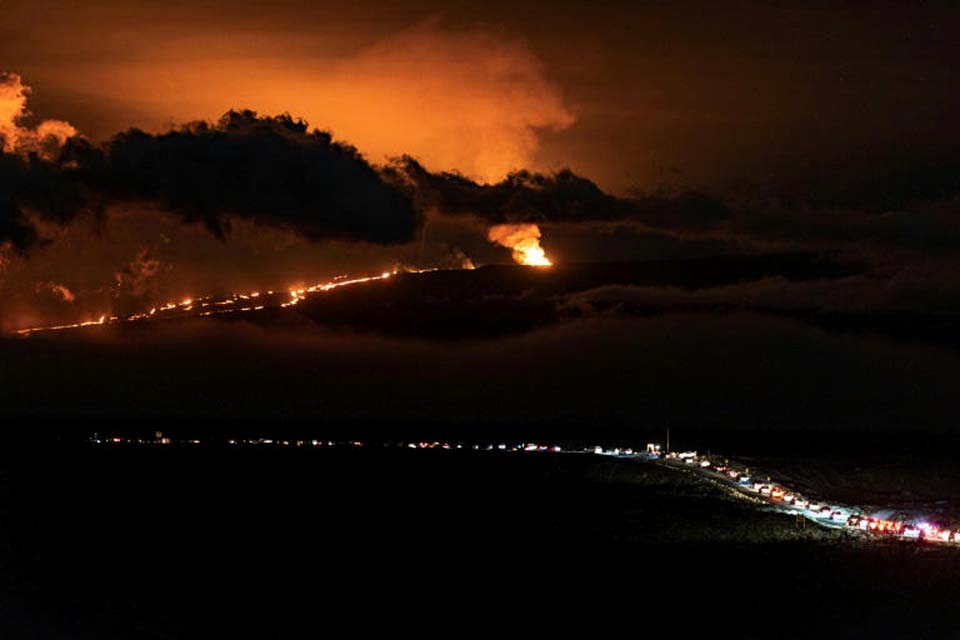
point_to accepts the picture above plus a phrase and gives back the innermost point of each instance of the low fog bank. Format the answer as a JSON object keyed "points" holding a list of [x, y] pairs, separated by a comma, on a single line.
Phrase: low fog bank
{"points": [[737, 370]]}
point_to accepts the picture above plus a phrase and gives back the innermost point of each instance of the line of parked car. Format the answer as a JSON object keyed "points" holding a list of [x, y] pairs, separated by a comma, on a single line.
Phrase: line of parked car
{"points": [[915, 531], [825, 513]]}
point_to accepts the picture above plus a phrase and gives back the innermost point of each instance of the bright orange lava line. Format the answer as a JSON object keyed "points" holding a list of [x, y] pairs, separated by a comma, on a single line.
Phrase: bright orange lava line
{"points": [[189, 304]]}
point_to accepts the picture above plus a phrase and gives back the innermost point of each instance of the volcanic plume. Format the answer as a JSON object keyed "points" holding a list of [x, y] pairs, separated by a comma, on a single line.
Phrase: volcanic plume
{"points": [[524, 240]]}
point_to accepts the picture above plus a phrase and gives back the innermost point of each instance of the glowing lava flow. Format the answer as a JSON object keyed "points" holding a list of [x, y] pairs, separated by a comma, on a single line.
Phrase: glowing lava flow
{"points": [[238, 302], [60, 327], [524, 240], [296, 295]]}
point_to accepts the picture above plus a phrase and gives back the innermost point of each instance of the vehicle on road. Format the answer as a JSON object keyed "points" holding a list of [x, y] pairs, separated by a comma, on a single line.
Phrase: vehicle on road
{"points": [[910, 532]]}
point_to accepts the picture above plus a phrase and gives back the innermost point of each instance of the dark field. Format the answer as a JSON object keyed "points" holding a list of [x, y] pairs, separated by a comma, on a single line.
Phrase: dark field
{"points": [[201, 542]]}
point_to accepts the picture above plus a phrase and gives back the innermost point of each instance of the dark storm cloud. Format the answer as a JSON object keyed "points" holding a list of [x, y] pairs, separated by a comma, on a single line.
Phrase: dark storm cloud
{"points": [[928, 228], [270, 170], [13, 228], [903, 205], [524, 196], [267, 169], [30, 185], [879, 180], [275, 171]]}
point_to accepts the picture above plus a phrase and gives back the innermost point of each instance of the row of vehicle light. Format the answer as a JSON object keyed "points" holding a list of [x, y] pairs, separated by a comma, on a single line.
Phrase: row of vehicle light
{"points": [[772, 491], [921, 530], [864, 523], [781, 494], [528, 447]]}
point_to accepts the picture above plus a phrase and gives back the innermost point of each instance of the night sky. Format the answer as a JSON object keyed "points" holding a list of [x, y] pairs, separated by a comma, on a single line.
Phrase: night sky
{"points": [[155, 151]]}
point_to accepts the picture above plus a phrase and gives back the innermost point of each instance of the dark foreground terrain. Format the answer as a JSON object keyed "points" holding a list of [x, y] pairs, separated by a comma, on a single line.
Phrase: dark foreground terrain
{"points": [[204, 542]]}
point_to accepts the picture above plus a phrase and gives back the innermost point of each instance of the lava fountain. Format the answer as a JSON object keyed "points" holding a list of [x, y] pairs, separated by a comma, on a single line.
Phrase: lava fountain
{"points": [[524, 240]]}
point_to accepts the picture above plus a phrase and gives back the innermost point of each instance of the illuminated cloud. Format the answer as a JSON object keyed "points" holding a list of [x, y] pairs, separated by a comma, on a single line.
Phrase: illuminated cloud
{"points": [[45, 139], [472, 101], [13, 100]]}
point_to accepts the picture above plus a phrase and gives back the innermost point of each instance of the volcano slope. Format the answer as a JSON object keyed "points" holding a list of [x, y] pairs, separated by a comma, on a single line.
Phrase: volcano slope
{"points": [[497, 300]]}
